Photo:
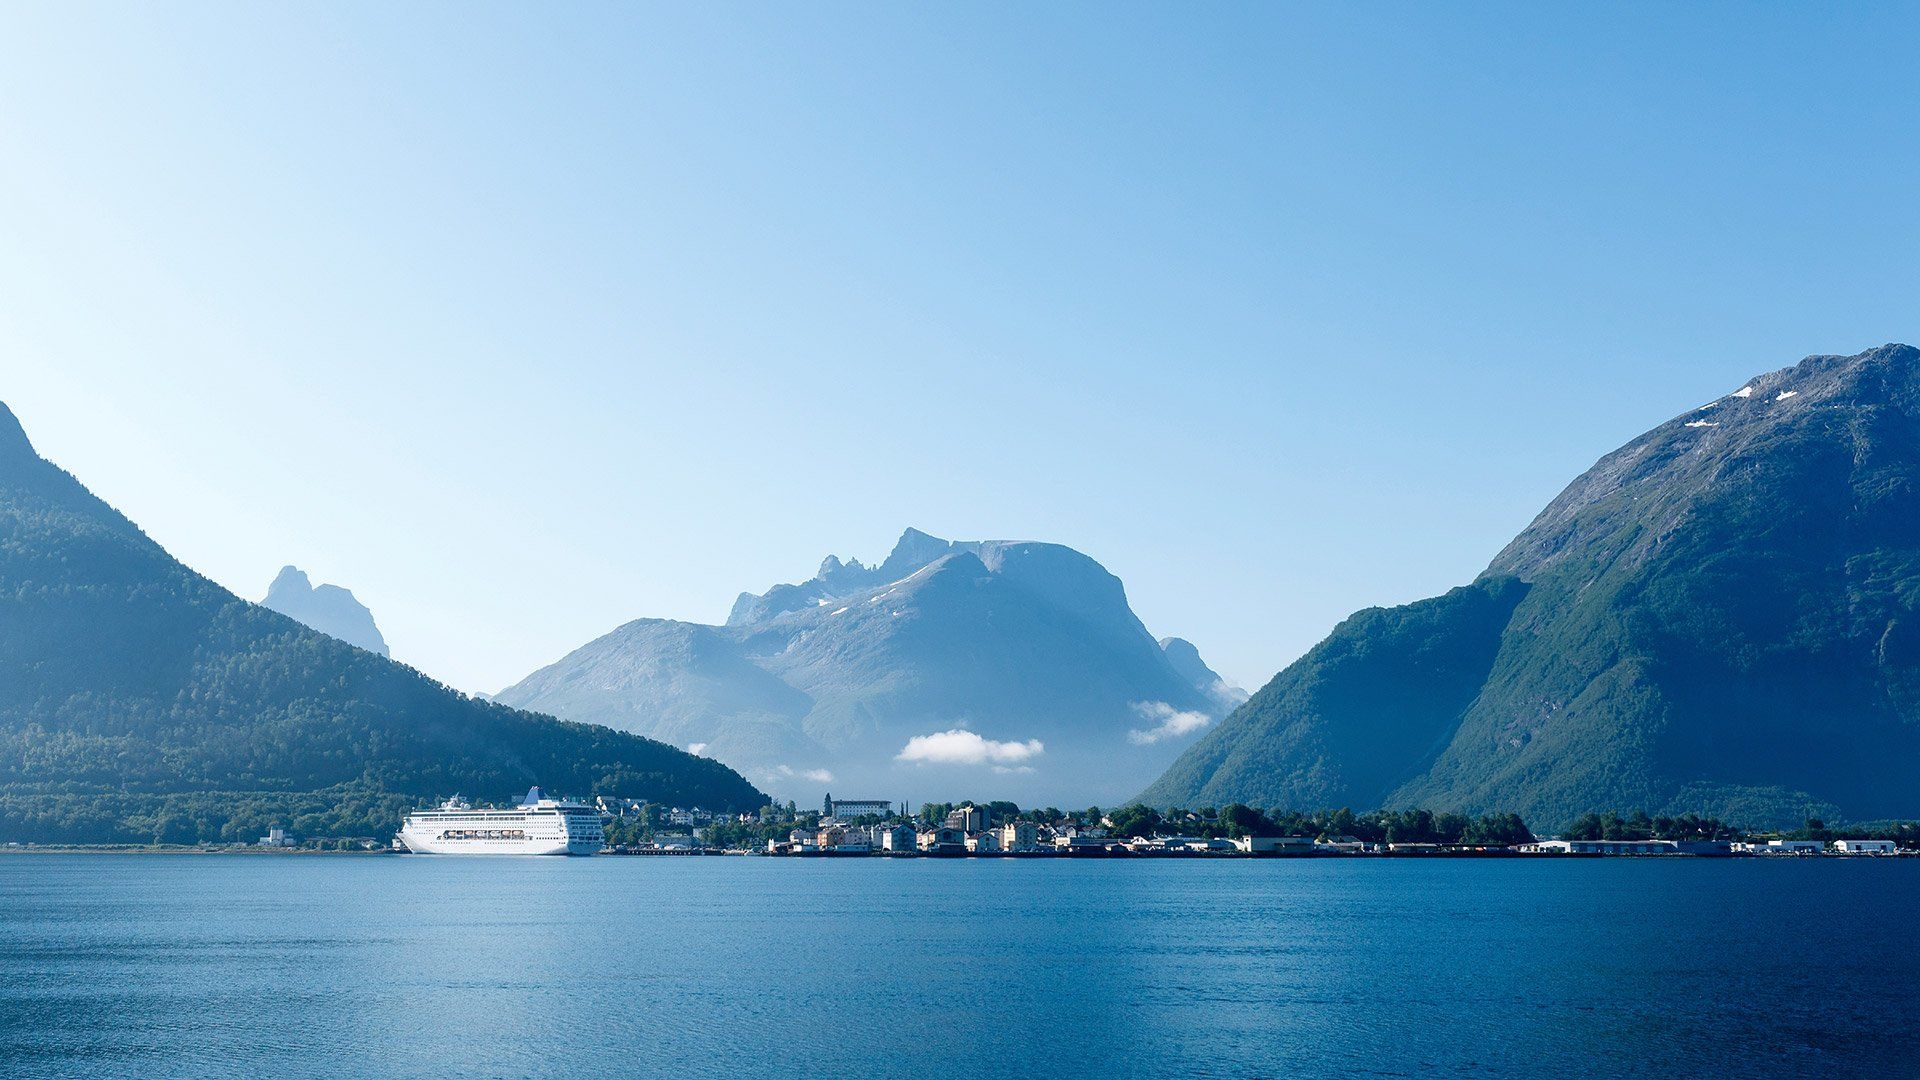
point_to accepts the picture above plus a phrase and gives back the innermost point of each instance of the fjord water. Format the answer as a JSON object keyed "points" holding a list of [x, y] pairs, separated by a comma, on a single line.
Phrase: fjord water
{"points": [[373, 967]]}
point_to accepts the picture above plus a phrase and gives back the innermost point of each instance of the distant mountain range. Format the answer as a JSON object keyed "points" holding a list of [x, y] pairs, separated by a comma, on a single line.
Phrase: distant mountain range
{"points": [[329, 609], [1721, 616], [140, 702], [992, 669]]}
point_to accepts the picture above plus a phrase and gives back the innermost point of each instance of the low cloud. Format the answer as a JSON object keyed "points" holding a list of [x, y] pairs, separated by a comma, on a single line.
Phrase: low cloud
{"points": [[1228, 695], [788, 772], [696, 748], [1168, 722], [963, 747]]}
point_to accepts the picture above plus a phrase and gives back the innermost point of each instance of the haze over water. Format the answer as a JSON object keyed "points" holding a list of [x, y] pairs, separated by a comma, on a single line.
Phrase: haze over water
{"points": [[146, 966]]}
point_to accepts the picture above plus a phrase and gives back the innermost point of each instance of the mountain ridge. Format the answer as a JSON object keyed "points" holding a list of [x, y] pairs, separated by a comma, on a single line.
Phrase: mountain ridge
{"points": [[330, 609], [1721, 616], [939, 637], [141, 702]]}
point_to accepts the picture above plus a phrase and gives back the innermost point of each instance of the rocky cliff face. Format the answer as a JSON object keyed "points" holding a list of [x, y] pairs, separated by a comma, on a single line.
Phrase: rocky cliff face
{"points": [[329, 609], [990, 668], [1721, 616], [1185, 659]]}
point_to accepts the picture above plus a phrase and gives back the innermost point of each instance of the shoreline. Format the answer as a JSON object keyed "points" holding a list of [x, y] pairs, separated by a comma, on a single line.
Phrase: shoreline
{"points": [[1012, 856], [178, 849]]}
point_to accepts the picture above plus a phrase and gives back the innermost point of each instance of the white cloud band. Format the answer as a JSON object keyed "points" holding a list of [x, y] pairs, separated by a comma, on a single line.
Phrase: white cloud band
{"points": [[962, 747], [1172, 723]]}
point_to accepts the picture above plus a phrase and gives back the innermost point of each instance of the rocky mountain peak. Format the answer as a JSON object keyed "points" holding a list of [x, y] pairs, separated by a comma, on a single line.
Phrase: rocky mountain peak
{"points": [[1009, 668], [13, 437], [329, 609], [912, 551]]}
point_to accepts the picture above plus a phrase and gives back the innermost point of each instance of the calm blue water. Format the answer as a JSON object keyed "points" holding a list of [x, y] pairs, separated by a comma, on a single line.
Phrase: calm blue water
{"points": [[147, 966]]}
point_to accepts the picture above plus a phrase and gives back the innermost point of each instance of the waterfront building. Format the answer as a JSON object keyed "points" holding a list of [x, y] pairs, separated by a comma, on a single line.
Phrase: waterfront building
{"points": [[1019, 836], [898, 836], [1275, 845], [968, 819], [842, 839], [941, 841], [1593, 847], [1789, 847], [1162, 844], [984, 843], [276, 837], [1864, 847], [1075, 836], [1341, 845]]}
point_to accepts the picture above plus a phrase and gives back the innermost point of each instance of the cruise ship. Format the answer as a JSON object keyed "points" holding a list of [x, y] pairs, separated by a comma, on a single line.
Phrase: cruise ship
{"points": [[538, 826]]}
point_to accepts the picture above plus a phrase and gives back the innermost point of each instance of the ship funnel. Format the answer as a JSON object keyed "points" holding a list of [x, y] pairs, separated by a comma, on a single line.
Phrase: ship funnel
{"points": [[534, 795]]}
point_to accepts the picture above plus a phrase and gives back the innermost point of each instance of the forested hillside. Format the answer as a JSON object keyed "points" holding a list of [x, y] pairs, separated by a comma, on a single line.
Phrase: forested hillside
{"points": [[1720, 617], [140, 701]]}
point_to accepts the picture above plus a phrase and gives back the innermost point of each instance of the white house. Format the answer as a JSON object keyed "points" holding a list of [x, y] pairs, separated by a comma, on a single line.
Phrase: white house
{"points": [[984, 843]]}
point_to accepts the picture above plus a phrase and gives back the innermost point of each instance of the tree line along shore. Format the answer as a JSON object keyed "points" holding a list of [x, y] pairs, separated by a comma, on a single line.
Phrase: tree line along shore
{"points": [[994, 828]]}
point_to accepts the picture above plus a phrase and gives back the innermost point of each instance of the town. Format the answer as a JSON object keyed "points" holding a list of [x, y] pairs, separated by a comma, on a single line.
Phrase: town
{"points": [[874, 828]]}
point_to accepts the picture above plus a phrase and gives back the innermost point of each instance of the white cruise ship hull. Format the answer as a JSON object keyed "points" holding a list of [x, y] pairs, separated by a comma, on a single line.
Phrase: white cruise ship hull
{"points": [[421, 844], [536, 827]]}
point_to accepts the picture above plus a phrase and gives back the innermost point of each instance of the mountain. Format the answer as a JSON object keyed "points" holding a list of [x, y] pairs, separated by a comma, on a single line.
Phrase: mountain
{"points": [[1185, 658], [1721, 616], [140, 701], [329, 609], [989, 669]]}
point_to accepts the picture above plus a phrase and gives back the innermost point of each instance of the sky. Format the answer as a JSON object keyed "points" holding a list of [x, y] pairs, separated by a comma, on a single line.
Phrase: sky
{"points": [[524, 321]]}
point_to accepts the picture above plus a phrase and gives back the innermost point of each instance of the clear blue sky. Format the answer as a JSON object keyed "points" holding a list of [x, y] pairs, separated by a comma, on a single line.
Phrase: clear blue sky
{"points": [[523, 321]]}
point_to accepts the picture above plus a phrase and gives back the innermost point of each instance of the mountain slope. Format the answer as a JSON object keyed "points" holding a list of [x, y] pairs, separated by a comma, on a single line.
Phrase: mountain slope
{"points": [[1365, 711], [1721, 616], [1186, 661], [329, 609], [1018, 667], [140, 701]]}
